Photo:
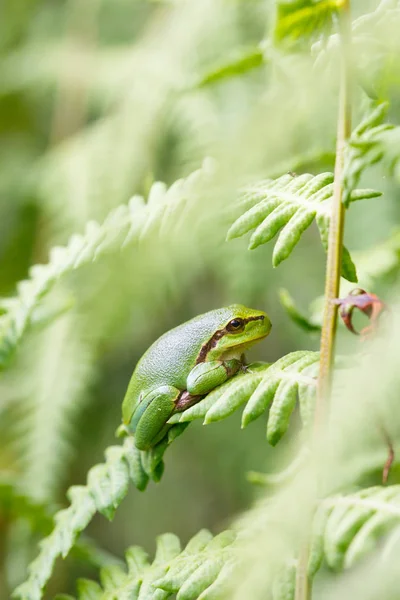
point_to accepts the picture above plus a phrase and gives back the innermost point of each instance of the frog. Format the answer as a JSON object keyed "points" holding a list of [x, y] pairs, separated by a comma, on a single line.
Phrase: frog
{"points": [[185, 364]]}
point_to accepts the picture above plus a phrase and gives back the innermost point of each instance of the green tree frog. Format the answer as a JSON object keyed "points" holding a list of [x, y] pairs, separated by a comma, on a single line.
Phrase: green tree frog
{"points": [[185, 364]]}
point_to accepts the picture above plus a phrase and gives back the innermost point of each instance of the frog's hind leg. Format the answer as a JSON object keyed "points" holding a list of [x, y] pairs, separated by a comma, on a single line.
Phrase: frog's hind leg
{"points": [[150, 417]]}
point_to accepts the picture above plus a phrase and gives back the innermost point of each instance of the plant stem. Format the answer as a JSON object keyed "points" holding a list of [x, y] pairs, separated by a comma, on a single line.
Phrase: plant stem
{"points": [[333, 269], [303, 584], [336, 228]]}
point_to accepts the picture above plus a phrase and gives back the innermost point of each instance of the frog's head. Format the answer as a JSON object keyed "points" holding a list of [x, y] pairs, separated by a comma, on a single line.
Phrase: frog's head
{"points": [[240, 327]]}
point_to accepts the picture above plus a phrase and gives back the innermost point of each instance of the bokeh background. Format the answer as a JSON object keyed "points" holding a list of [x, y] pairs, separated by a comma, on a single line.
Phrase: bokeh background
{"points": [[99, 99]]}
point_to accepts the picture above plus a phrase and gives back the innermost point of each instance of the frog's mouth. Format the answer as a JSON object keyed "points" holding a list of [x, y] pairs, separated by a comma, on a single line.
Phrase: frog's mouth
{"points": [[238, 351]]}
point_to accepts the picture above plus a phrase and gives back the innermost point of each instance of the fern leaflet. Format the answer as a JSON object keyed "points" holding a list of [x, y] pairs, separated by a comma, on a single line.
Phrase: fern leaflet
{"points": [[345, 528], [197, 572], [244, 61], [125, 224], [365, 146], [306, 323], [289, 204], [277, 386], [350, 526], [300, 20], [107, 485]]}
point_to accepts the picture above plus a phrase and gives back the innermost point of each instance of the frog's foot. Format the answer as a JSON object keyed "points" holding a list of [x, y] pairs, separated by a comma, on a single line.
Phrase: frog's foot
{"points": [[186, 400], [243, 364], [151, 415]]}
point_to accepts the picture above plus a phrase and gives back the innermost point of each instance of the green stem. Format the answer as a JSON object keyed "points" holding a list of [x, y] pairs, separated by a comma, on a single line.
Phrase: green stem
{"points": [[336, 228], [303, 590], [333, 269]]}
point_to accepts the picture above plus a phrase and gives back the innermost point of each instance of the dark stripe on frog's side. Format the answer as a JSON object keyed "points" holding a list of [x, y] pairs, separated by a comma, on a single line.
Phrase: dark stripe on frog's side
{"points": [[212, 342]]}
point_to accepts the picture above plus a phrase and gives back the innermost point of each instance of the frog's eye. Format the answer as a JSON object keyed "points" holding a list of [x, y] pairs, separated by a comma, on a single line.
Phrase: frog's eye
{"points": [[235, 325]]}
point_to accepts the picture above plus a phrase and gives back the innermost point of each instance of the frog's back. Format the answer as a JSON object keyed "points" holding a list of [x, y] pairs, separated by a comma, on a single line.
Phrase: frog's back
{"points": [[171, 357]]}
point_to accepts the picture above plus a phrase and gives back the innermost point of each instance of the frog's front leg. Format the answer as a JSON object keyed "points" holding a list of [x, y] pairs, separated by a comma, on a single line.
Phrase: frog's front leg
{"points": [[149, 420], [206, 376]]}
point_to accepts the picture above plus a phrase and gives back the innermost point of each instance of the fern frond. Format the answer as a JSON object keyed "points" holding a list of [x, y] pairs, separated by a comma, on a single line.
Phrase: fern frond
{"points": [[201, 570], [345, 528], [196, 572], [59, 371], [300, 20], [352, 525], [372, 36], [285, 582], [125, 224], [244, 61], [107, 485], [276, 386], [16, 504], [290, 204], [365, 146]]}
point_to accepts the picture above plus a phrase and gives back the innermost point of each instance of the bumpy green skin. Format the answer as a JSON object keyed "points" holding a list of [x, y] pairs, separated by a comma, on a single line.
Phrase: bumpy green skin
{"points": [[184, 365]]}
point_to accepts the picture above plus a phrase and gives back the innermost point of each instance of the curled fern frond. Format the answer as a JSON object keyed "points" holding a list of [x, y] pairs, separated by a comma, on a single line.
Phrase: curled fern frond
{"points": [[289, 204], [125, 224], [262, 386], [303, 20], [348, 527]]}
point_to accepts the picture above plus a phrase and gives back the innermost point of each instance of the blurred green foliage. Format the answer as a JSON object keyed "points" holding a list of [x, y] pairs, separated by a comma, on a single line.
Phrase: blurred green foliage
{"points": [[98, 100]]}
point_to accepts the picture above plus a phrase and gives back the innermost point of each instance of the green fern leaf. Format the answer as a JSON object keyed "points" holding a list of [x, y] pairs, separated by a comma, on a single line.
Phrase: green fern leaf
{"points": [[89, 590], [289, 205], [203, 562], [40, 517], [351, 526], [297, 317], [18, 504], [196, 572], [301, 20], [371, 49], [106, 487], [277, 386], [366, 145], [244, 61], [58, 370], [125, 224], [285, 582]]}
